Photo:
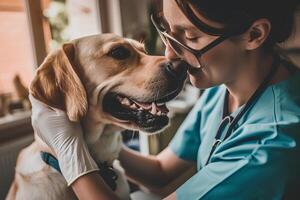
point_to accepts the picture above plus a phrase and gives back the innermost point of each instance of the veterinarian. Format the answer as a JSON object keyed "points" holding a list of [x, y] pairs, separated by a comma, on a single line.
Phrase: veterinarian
{"points": [[244, 132]]}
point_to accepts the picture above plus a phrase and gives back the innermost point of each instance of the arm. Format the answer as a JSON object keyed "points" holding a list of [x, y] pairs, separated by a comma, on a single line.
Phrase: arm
{"points": [[160, 173], [91, 186], [163, 173]]}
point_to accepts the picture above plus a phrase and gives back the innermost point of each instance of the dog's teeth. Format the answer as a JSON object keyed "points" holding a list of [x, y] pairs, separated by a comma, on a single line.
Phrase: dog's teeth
{"points": [[133, 106], [159, 113], [160, 104], [153, 110], [125, 101]]}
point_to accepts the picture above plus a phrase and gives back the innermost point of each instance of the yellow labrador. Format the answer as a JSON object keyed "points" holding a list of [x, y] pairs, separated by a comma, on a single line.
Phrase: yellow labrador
{"points": [[108, 83]]}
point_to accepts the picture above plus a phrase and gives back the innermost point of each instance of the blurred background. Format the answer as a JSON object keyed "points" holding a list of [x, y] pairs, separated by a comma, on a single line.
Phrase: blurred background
{"points": [[29, 29]]}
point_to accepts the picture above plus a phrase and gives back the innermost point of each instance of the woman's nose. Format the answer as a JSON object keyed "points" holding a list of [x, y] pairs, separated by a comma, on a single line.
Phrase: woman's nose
{"points": [[170, 54]]}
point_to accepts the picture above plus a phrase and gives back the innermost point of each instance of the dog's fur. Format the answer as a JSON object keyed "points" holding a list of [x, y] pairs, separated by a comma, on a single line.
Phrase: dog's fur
{"points": [[76, 79]]}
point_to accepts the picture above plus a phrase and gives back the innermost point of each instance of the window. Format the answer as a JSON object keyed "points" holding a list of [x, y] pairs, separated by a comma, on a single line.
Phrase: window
{"points": [[15, 52]]}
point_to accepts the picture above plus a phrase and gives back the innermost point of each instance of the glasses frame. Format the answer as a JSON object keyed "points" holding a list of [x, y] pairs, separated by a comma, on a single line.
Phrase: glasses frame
{"points": [[196, 52]]}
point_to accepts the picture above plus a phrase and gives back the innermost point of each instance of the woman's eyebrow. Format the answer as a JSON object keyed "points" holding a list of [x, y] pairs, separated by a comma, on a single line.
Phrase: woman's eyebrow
{"points": [[180, 27], [184, 27], [187, 28]]}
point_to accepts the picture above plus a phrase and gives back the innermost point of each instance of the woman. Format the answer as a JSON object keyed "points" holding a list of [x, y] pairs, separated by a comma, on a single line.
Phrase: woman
{"points": [[243, 133]]}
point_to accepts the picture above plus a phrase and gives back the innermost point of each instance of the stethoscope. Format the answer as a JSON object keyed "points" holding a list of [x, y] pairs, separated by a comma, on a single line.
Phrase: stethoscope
{"points": [[227, 119]]}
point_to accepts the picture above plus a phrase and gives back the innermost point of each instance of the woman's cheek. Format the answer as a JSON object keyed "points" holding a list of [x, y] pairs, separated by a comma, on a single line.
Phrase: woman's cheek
{"points": [[216, 64], [215, 57]]}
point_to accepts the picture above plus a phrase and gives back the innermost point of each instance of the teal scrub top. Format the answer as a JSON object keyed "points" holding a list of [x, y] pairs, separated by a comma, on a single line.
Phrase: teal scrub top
{"points": [[259, 160]]}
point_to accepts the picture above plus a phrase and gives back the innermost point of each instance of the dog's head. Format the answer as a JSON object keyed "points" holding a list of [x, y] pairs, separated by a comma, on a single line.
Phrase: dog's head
{"points": [[110, 80]]}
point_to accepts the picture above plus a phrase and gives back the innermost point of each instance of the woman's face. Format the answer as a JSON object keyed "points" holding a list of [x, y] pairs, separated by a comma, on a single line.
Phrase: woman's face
{"points": [[219, 64]]}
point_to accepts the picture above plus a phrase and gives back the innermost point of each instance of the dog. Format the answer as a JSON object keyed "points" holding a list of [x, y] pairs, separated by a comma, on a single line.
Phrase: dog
{"points": [[107, 83]]}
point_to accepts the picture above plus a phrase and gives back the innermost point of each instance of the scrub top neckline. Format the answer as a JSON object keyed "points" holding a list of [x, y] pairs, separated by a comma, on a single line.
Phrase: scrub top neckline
{"points": [[231, 121]]}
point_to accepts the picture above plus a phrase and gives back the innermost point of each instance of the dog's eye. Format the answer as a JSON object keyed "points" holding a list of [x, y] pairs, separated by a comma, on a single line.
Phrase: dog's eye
{"points": [[120, 53]]}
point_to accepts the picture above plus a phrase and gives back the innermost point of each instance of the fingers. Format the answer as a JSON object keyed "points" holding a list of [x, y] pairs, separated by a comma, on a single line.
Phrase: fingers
{"points": [[38, 105], [42, 111], [50, 123]]}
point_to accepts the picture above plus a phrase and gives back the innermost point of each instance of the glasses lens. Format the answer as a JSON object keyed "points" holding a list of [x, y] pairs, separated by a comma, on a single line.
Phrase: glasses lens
{"points": [[163, 38], [182, 52], [178, 48]]}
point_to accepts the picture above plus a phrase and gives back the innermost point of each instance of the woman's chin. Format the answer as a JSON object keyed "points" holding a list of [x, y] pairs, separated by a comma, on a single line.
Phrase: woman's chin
{"points": [[200, 81]]}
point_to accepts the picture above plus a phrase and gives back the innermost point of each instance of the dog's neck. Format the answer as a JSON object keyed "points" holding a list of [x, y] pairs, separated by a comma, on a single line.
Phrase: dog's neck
{"points": [[104, 141]]}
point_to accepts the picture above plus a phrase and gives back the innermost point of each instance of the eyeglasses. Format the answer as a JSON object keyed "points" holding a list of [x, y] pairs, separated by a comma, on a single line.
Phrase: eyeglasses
{"points": [[182, 50]]}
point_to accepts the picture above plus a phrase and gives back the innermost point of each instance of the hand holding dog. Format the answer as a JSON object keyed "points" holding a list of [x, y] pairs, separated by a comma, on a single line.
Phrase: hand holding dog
{"points": [[64, 138]]}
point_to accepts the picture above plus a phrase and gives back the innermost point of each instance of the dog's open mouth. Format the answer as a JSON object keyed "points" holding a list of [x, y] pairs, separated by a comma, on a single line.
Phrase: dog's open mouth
{"points": [[148, 116]]}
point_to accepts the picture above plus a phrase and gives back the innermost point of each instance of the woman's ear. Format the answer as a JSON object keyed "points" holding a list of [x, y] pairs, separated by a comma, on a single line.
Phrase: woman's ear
{"points": [[257, 34], [57, 84]]}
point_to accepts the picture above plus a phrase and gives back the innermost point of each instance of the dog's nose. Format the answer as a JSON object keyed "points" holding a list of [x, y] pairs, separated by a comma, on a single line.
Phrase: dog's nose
{"points": [[176, 69]]}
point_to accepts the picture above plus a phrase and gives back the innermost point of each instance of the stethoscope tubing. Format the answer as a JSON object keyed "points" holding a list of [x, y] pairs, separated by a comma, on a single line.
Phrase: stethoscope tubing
{"points": [[219, 138]]}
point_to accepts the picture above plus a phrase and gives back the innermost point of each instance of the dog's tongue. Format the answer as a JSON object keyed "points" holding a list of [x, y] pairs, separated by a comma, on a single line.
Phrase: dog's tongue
{"points": [[146, 106], [154, 108]]}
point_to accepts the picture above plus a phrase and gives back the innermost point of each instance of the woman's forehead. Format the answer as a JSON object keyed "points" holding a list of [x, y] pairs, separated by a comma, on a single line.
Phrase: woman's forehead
{"points": [[174, 16], [177, 19]]}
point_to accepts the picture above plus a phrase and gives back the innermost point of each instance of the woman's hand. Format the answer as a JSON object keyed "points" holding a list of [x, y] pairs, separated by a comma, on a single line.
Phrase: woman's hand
{"points": [[64, 138]]}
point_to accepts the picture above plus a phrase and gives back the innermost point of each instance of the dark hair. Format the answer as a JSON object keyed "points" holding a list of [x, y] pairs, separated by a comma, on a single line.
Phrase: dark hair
{"points": [[240, 14]]}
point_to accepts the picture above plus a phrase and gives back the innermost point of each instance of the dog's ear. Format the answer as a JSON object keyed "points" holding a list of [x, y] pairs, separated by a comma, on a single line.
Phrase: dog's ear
{"points": [[57, 84]]}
